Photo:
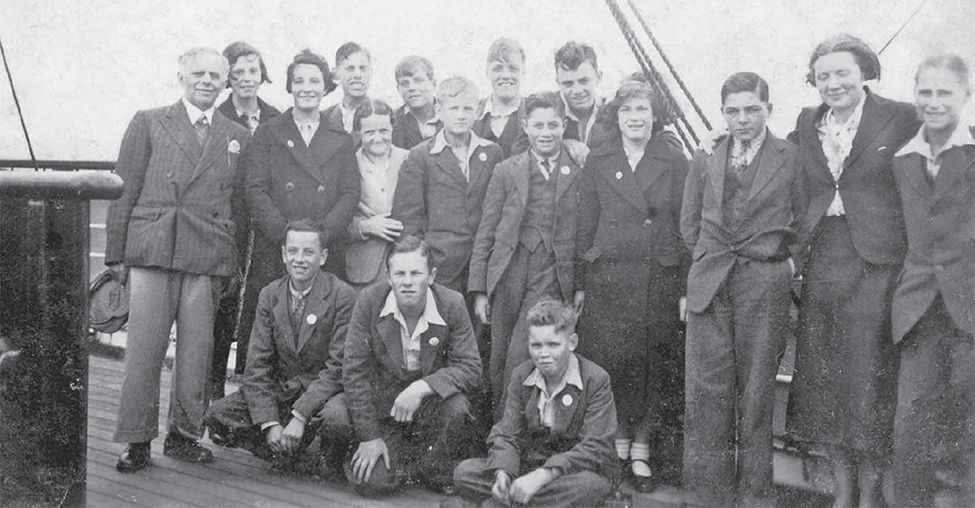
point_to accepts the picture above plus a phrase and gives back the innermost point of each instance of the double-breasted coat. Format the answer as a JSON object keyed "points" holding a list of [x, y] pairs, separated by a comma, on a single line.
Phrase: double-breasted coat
{"points": [[286, 180], [632, 264], [179, 201]]}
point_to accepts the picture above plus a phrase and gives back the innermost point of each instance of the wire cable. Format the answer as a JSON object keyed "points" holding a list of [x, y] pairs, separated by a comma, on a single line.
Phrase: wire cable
{"points": [[20, 113]]}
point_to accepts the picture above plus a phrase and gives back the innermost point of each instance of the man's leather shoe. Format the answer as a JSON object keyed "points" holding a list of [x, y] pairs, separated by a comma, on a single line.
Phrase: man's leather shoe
{"points": [[186, 449], [134, 458]]}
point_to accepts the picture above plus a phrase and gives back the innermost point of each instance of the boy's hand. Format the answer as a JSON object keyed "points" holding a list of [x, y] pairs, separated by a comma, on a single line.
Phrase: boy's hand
{"points": [[502, 487], [408, 401], [365, 457], [273, 437], [482, 308], [527, 486], [291, 437]]}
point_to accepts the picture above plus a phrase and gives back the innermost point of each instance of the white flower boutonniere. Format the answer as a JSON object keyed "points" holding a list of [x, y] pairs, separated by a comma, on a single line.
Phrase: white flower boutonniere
{"points": [[233, 146]]}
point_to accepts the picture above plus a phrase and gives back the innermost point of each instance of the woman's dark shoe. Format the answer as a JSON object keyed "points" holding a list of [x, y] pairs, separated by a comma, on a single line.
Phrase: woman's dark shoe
{"points": [[134, 458], [186, 449], [642, 484]]}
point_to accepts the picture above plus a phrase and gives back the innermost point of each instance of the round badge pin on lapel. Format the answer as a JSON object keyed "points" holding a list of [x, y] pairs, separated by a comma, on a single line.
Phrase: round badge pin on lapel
{"points": [[619, 175], [434, 341], [291, 144], [311, 319], [483, 157], [567, 400], [564, 170]]}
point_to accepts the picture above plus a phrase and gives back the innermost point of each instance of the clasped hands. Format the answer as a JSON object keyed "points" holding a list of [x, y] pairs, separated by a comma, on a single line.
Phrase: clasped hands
{"points": [[522, 489], [286, 440]]}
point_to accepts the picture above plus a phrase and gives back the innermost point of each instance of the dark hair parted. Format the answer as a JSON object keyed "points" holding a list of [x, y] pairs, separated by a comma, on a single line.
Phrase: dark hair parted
{"points": [[306, 57], [571, 55], [865, 58], [413, 64], [348, 49], [543, 100], [745, 82], [305, 226], [368, 108], [237, 49], [633, 90], [407, 244], [550, 312], [950, 61]]}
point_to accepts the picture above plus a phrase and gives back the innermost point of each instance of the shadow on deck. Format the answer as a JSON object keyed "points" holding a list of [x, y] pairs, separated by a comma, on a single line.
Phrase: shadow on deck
{"points": [[237, 478]]}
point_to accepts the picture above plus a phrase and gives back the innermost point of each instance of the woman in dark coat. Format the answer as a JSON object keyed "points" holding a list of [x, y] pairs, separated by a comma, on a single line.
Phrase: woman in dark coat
{"points": [[298, 165], [631, 275], [843, 390]]}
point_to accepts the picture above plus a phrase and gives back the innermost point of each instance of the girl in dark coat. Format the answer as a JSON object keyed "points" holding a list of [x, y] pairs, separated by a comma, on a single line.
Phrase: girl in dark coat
{"points": [[631, 275]]}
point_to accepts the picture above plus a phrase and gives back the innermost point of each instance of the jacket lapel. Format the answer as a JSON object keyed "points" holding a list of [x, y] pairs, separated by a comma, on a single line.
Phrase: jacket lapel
{"points": [[287, 134], [769, 164], [567, 171], [477, 167], [809, 136], [177, 122], [449, 164], [282, 315], [389, 330], [955, 163], [315, 307], [430, 348], [914, 173], [617, 166], [874, 119], [566, 404], [216, 146]]}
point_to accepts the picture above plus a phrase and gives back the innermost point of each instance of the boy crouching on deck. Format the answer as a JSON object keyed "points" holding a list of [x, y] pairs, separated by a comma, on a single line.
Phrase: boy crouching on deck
{"points": [[554, 444]]}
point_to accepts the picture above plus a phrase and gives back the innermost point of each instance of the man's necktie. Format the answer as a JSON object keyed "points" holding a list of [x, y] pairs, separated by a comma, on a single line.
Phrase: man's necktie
{"points": [[741, 162], [202, 129], [546, 168]]}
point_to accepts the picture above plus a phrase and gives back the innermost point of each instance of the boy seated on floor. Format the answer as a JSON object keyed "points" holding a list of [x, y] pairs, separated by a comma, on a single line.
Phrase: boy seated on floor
{"points": [[554, 444], [292, 380]]}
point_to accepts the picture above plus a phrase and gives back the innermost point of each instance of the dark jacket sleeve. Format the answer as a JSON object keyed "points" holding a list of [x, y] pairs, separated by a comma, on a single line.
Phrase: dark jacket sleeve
{"points": [[257, 166], [505, 451], [260, 384], [339, 217], [131, 166], [588, 218], [359, 368], [597, 433], [494, 202], [800, 203], [409, 200], [329, 380], [680, 167], [462, 374], [691, 209]]}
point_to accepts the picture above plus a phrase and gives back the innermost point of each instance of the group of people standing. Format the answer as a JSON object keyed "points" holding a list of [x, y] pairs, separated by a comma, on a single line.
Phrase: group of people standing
{"points": [[400, 280]]}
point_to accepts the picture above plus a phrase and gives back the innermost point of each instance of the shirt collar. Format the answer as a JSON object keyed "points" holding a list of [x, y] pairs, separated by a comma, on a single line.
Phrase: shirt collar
{"points": [[572, 376], [961, 136], [301, 294], [430, 312], [313, 123], [195, 113], [852, 123], [440, 142], [754, 144], [433, 119], [553, 160], [488, 109]]}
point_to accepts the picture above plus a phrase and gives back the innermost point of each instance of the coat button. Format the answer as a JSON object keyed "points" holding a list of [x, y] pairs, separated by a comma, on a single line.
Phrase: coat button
{"points": [[321, 189], [646, 261], [612, 223], [289, 186], [647, 223], [169, 175]]}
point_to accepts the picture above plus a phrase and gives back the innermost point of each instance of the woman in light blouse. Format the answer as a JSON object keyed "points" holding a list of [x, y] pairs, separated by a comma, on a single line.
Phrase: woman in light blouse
{"points": [[371, 229]]}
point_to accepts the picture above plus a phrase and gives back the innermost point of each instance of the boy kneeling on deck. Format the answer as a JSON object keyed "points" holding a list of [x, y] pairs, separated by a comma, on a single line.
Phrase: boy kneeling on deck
{"points": [[293, 377], [554, 444], [410, 364]]}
